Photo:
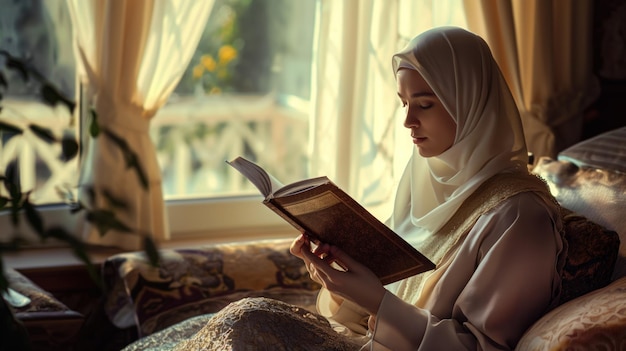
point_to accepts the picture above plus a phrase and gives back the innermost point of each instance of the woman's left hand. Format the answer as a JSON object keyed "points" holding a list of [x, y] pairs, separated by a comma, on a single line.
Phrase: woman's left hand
{"points": [[354, 281]]}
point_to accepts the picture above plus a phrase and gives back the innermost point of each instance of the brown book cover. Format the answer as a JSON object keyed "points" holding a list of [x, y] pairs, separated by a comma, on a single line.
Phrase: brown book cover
{"points": [[326, 213]]}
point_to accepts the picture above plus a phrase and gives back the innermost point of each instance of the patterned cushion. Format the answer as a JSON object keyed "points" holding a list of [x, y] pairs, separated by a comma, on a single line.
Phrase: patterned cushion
{"points": [[190, 282], [592, 252], [596, 321]]}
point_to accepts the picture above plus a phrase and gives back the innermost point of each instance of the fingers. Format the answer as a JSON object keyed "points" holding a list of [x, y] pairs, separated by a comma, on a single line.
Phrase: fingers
{"points": [[371, 322], [317, 257], [296, 246], [322, 264]]}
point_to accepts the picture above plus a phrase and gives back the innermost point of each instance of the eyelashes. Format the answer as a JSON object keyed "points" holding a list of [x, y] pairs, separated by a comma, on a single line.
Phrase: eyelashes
{"points": [[421, 106]]}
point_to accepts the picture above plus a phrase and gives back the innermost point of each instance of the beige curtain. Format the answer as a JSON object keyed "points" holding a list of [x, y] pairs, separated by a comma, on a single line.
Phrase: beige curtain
{"points": [[544, 50], [131, 55], [357, 134]]}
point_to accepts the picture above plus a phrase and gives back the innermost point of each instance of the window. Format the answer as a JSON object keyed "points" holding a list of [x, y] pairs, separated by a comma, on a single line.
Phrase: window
{"points": [[245, 92], [260, 70], [39, 34]]}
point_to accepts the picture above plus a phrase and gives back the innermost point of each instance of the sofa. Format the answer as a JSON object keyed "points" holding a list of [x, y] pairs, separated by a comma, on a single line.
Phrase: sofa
{"points": [[173, 301], [51, 325]]}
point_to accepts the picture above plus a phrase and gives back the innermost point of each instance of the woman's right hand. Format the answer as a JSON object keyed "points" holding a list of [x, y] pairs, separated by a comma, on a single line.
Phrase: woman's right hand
{"points": [[297, 245], [303, 243]]}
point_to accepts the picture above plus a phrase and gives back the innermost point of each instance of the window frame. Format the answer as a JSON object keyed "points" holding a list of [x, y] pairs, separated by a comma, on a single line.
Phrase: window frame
{"points": [[199, 219]]}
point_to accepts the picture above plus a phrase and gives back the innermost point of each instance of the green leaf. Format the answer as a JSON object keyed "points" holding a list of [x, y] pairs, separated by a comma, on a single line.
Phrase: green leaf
{"points": [[64, 236], [10, 128], [91, 195], [114, 201], [132, 161], [79, 249], [66, 194], [12, 182], [4, 282], [52, 96], [94, 128], [3, 80], [33, 217], [43, 133], [143, 178], [151, 251], [77, 207], [105, 220], [19, 66], [69, 147]]}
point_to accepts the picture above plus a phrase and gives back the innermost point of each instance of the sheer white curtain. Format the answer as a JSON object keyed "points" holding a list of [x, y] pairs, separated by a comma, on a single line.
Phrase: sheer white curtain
{"points": [[544, 50], [131, 55], [358, 137]]}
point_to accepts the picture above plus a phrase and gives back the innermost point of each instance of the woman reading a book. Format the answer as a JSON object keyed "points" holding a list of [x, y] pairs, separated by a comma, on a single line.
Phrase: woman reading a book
{"points": [[467, 201]]}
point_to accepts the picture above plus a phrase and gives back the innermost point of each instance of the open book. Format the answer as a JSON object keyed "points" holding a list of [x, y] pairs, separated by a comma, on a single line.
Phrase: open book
{"points": [[324, 212]]}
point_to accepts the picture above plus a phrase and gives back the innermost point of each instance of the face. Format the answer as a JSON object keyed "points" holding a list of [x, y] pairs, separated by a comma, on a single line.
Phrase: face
{"points": [[432, 128]]}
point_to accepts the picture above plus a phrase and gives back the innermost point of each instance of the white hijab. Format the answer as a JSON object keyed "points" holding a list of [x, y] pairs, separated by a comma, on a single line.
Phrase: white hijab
{"points": [[461, 71]]}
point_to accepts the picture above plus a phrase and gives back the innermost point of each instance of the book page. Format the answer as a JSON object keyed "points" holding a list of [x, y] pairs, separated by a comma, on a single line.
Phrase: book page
{"points": [[300, 186], [265, 182]]}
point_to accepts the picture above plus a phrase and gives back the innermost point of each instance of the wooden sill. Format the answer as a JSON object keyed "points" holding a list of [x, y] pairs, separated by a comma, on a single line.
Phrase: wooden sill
{"points": [[62, 257]]}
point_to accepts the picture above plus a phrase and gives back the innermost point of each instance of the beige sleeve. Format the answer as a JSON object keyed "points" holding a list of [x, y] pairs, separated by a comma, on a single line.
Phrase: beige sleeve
{"points": [[345, 316], [501, 281]]}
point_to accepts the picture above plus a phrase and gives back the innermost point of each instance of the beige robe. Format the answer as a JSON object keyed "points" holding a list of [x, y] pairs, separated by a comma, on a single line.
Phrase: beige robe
{"points": [[503, 277]]}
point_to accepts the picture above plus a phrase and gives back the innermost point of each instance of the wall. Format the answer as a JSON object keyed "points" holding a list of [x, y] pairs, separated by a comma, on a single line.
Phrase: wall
{"points": [[609, 58]]}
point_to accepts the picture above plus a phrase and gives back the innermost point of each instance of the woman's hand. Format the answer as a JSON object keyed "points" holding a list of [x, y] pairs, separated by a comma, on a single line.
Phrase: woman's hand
{"points": [[351, 280], [300, 244]]}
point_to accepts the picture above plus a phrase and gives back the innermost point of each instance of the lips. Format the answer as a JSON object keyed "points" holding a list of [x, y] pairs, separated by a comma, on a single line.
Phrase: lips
{"points": [[418, 139]]}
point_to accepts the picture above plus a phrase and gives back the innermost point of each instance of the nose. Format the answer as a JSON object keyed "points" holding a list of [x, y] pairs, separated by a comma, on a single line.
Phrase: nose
{"points": [[410, 119]]}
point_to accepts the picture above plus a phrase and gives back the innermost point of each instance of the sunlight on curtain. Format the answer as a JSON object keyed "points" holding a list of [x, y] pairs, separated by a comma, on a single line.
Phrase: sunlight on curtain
{"points": [[131, 55], [544, 50], [357, 136]]}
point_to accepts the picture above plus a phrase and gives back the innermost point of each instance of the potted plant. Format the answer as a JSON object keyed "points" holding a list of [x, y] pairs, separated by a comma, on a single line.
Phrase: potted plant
{"points": [[20, 208]]}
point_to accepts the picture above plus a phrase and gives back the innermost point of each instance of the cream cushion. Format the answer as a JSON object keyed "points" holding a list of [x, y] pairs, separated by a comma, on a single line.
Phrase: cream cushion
{"points": [[595, 321]]}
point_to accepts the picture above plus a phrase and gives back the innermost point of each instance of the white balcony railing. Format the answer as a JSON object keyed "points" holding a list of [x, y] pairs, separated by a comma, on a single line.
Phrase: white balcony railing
{"points": [[41, 169], [193, 137]]}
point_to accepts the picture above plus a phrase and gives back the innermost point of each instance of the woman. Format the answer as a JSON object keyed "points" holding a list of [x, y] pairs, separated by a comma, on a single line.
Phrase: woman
{"points": [[467, 202]]}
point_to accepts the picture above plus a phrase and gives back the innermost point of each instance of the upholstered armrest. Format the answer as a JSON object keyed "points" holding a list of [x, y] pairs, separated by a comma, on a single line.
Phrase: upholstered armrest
{"points": [[42, 304], [49, 322], [190, 282]]}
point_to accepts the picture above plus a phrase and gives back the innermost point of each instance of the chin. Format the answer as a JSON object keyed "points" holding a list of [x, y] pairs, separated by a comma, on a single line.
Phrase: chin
{"points": [[425, 153]]}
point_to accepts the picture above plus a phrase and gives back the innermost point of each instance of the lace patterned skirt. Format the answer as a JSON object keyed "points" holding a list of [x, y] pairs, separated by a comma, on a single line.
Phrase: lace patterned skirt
{"points": [[252, 324]]}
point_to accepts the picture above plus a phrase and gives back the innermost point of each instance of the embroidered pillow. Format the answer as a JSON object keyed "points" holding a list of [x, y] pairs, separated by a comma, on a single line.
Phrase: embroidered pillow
{"points": [[190, 282], [596, 321], [592, 253]]}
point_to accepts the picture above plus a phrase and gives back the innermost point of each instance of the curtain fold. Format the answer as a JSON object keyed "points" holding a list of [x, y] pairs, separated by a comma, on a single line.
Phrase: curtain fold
{"points": [[131, 55], [544, 50], [354, 95]]}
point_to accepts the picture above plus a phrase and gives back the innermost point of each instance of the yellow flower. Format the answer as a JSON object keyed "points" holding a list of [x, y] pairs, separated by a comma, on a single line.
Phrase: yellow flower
{"points": [[227, 53], [208, 62], [215, 91], [197, 71]]}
